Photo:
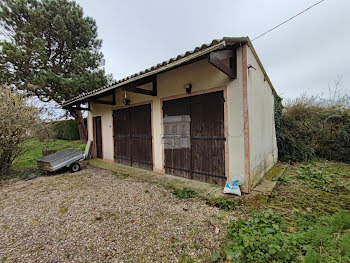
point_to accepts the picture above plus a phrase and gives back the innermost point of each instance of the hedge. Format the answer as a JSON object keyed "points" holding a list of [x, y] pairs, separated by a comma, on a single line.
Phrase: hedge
{"points": [[65, 130], [307, 130]]}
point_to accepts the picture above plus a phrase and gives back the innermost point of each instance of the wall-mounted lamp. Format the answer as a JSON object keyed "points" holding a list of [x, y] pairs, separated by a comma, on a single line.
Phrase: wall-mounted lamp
{"points": [[125, 101], [188, 88], [250, 66]]}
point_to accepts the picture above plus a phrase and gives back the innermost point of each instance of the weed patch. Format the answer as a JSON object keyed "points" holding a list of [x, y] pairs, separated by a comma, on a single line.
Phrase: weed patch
{"points": [[317, 177], [261, 238], [184, 193], [4, 227], [120, 175], [223, 203], [320, 187], [267, 237], [63, 210], [186, 259]]}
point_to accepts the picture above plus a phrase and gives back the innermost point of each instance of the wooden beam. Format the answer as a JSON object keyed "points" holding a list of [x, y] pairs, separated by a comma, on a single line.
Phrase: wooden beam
{"points": [[140, 91], [154, 86], [215, 58], [233, 62], [104, 101], [98, 96], [152, 92], [77, 107], [222, 54]]}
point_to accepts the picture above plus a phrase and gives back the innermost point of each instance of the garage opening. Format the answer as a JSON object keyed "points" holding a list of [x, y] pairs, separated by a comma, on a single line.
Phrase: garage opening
{"points": [[133, 136], [194, 137]]}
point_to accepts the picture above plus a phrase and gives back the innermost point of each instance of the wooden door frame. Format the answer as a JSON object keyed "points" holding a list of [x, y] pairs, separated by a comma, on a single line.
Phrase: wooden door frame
{"points": [[94, 151], [196, 93], [152, 131]]}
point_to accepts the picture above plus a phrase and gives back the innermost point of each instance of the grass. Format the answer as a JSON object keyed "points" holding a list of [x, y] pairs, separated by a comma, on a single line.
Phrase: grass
{"points": [[25, 164], [34, 151]]}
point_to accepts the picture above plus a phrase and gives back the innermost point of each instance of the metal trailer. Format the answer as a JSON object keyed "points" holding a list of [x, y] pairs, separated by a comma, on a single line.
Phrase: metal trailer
{"points": [[67, 158]]}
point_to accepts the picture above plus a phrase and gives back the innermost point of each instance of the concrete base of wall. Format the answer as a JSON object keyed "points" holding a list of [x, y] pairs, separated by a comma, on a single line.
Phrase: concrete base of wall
{"points": [[166, 180], [261, 170], [204, 189], [268, 183]]}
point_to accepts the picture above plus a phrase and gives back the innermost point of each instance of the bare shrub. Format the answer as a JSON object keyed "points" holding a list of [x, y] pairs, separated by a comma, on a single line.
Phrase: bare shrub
{"points": [[18, 122]]}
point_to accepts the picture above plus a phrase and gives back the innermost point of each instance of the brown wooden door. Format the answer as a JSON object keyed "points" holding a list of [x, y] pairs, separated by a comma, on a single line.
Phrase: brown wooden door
{"points": [[122, 140], [97, 130], [204, 158], [133, 136], [177, 160]]}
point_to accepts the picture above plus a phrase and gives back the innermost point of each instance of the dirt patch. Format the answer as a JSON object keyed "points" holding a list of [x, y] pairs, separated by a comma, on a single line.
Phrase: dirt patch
{"points": [[96, 215]]}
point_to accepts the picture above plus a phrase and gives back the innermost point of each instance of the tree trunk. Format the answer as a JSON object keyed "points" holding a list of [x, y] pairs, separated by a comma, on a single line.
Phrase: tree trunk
{"points": [[78, 116]]}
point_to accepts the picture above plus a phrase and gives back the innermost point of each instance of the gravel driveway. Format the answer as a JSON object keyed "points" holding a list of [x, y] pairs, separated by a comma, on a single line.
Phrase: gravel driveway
{"points": [[97, 216]]}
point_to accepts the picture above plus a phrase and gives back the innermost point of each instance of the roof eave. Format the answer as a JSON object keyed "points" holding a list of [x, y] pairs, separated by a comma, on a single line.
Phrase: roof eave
{"points": [[168, 65], [173, 64]]}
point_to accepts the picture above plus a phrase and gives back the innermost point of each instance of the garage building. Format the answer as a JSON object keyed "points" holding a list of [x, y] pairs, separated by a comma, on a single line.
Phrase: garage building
{"points": [[207, 115]]}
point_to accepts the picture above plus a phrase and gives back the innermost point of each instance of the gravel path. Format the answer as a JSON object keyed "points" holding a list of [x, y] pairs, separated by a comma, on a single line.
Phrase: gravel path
{"points": [[97, 216]]}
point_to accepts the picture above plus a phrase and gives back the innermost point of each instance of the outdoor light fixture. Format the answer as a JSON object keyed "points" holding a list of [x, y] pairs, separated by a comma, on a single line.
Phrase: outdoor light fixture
{"points": [[188, 88], [250, 66], [126, 101]]}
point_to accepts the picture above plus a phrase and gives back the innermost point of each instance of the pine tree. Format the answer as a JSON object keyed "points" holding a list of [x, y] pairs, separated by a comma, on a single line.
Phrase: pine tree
{"points": [[51, 50]]}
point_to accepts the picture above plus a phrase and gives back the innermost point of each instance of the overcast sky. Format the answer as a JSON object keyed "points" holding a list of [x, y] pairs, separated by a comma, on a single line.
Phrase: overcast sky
{"points": [[306, 54]]}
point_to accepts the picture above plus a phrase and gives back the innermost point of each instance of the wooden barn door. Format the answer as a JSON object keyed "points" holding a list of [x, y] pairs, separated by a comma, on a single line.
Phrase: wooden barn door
{"points": [[208, 138], [122, 140], [141, 137], [177, 159], [97, 133], [203, 158], [133, 136]]}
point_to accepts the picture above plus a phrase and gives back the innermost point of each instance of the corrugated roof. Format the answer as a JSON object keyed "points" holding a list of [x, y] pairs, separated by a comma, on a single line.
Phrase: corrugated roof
{"points": [[165, 65]]}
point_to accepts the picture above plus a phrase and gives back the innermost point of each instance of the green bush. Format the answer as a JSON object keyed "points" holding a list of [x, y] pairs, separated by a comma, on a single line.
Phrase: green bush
{"points": [[307, 129], [65, 130]]}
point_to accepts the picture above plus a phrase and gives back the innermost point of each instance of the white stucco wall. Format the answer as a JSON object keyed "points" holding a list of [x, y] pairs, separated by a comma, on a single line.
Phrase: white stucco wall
{"points": [[262, 135], [107, 128], [236, 123]]}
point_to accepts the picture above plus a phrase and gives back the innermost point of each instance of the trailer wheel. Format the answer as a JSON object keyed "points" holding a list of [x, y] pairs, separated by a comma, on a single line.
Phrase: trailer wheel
{"points": [[75, 167]]}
